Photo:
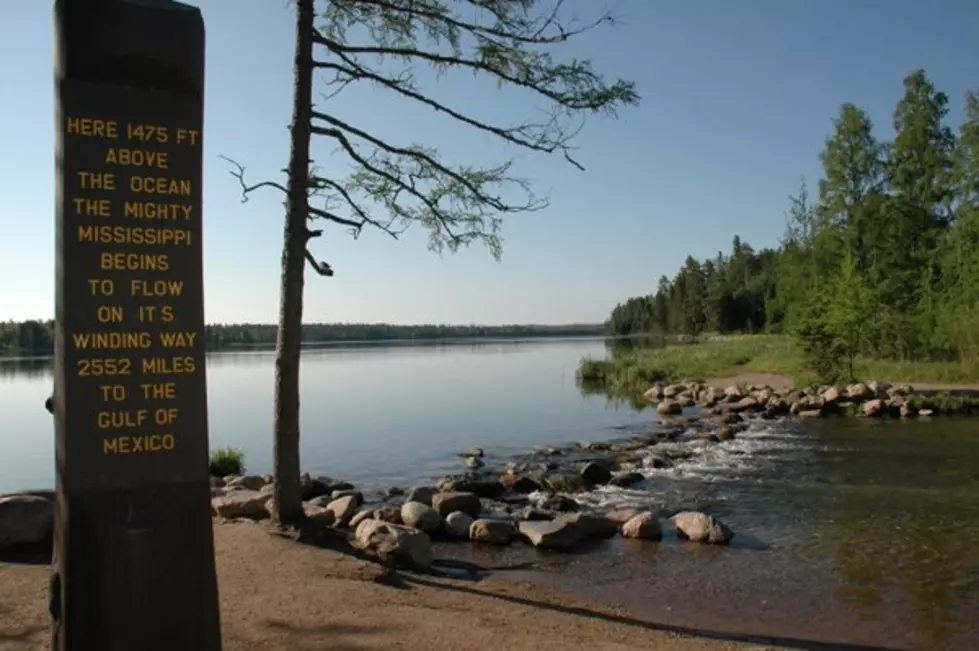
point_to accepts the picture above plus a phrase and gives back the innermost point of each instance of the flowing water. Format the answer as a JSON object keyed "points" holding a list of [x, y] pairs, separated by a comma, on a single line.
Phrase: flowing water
{"points": [[847, 531]]}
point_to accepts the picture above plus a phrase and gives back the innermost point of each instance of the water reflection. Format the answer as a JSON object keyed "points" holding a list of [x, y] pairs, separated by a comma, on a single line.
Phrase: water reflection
{"points": [[24, 367]]}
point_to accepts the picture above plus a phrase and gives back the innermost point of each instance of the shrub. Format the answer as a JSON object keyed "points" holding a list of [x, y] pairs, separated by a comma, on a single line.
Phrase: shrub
{"points": [[227, 461]]}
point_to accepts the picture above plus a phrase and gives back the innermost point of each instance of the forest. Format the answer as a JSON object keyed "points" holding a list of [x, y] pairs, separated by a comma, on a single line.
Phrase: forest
{"points": [[36, 338], [881, 262]]}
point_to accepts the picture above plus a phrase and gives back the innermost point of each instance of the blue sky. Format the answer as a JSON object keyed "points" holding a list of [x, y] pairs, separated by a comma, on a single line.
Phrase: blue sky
{"points": [[738, 98]]}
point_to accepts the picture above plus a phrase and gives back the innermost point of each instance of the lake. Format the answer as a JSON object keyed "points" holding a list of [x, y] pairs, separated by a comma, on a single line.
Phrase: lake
{"points": [[848, 531]]}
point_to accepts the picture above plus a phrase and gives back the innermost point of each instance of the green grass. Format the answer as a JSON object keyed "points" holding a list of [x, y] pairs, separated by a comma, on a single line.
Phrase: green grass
{"points": [[631, 372], [227, 461]]}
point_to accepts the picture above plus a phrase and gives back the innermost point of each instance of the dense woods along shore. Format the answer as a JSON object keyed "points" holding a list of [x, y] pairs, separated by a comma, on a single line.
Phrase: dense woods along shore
{"points": [[880, 264], [36, 338]]}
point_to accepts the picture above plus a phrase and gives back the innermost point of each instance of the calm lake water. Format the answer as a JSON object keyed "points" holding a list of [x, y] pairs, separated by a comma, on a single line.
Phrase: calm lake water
{"points": [[848, 531]]}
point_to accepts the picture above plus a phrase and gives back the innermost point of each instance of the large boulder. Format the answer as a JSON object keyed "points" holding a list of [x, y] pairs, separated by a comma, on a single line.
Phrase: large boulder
{"points": [[241, 504], [25, 521], [391, 543]]}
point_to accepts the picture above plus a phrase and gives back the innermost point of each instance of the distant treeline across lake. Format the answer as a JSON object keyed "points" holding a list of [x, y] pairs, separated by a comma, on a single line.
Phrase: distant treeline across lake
{"points": [[36, 338]]}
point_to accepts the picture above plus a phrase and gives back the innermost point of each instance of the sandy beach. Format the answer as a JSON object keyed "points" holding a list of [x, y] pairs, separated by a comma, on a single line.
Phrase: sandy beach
{"points": [[280, 594]]}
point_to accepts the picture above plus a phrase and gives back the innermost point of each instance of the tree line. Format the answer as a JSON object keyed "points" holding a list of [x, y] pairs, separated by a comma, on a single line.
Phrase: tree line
{"points": [[36, 338], [881, 262]]}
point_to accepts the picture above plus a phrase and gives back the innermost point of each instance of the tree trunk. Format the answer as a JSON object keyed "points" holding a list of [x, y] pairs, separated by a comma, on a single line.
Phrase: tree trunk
{"points": [[287, 498]]}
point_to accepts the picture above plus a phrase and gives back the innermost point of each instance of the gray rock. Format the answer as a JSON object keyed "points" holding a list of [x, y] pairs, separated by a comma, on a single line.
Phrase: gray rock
{"points": [[446, 503], [343, 508], [25, 520], [241, 504], [592, 525], [596, 473], [421, 494], [421, 517], [553, 534]]}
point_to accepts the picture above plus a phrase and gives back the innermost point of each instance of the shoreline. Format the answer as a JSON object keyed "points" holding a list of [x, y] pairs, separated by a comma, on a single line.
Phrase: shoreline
{"points": [[281, 594]]}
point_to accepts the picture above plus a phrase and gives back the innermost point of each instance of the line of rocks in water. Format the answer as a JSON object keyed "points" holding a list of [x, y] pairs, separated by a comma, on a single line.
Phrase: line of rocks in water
{"points": [[870, 399]]}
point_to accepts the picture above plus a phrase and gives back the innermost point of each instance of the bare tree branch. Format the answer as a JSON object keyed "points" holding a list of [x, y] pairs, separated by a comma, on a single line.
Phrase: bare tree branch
{"points": [[246, 189]]}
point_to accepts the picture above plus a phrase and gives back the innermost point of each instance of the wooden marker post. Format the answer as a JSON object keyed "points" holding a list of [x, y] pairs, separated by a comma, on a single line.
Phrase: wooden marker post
{"points": [[134, 547]]}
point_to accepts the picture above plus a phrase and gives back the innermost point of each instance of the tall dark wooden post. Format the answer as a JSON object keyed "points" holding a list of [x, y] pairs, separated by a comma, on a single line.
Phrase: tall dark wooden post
{"points": [[134, 547]]}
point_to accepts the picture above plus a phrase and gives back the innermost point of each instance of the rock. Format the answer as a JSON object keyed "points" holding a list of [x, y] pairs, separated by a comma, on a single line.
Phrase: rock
{"points": [[669, 408], [392, 491], [218, 492], [733, 393], [655, 461], [725, 433], [390, 514], [343, 508], [241, 504], [521, 484], [25, 521], [217, 482], [547, 451], [644, 526], [553, 534], [421, 494], [593, 525], [357, 495], [565, 483], [446, 503], [537, 515], [421, 517], [595, 473], [626, 479], [560, 503], [487, 489], [360, 516], [908, 410], [495, 532], [317, 514], [653, 394], [700, 527], [315, 487], [859, 391], [810, 413], [390, 542], [601, 446], [831, 395], [873, 407], [248, 482], [621, 516], [473, 452], [673, 390], [879, 389], [474, 463], [926, 412], [457, 524]]}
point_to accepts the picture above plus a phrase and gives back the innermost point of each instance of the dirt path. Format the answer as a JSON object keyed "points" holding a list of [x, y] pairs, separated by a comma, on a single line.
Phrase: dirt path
{"points": [[279, 595]]}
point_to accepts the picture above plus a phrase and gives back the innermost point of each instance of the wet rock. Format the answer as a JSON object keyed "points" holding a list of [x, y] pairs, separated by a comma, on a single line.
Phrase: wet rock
{"points": [[644, 526], [473, 452], [392, 491], [621, 516], [390, 542], [421, 517], [560, 503], [241, 504], [669, 408], [521, 484], [655, 461], [626, 479], [810, 413], [537, 515], [596, 473], [926, 412], [421, 494], [547, 451], [600, 446], [700, 527], [565, 483], [25, 521], [473, 463], [873, 407], [357, 495], [592, 525], [457, 524], [908, 410], [494, 532], [446, 503], [344, 508], [832, 394], [315, 487], [725, 433], [553, 534]]}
